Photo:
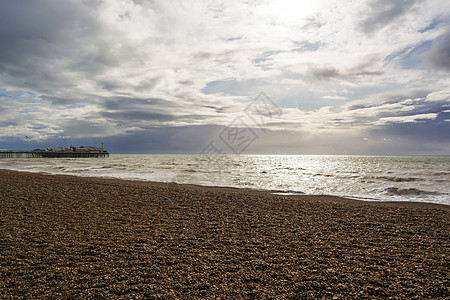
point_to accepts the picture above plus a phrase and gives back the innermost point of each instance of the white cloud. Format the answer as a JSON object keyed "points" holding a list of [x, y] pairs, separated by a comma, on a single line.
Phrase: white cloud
{"points": [[335, 97], [408, 119]]}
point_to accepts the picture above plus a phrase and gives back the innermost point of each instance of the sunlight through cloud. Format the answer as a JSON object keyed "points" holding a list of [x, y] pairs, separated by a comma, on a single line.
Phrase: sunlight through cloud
{"points": [[291, 11]]}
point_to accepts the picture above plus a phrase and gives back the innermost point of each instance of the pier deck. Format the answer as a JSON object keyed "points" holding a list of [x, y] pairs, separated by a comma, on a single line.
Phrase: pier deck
{"points": [[50, 154]]}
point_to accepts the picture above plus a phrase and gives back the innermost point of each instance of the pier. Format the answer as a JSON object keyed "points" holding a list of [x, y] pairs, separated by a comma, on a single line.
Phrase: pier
{"points": [[51, 154]]}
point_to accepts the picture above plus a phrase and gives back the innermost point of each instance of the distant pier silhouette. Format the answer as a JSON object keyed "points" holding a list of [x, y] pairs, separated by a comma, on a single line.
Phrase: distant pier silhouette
{"points": [[71, 152]]}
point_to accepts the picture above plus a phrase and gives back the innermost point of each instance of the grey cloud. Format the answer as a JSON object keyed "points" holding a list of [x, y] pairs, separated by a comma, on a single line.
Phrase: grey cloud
{"points": [[135, 111], [439, 55], [431, 132], [49, 46], [31, 20], [62, 100], [41, 24], [38, 40], [203, 55], [179, 140], [137, 115], [77, 128], [324, 72], [331, 72], [125, 103], [366, 73], [215, 108], [383, 12]]}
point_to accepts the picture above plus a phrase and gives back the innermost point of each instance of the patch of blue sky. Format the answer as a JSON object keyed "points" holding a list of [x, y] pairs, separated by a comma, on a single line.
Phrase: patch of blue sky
{"points": [[396, 55], [36, 127], [434, 24], [22, 96], [265, 56], [306, 46], [304, 100], [411, 57], [443, 116], [366, 92], [233, 87], [71, 106]]}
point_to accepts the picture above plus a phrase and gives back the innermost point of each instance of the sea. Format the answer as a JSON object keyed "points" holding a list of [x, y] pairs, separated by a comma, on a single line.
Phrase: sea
{"points": [[370, 178]]}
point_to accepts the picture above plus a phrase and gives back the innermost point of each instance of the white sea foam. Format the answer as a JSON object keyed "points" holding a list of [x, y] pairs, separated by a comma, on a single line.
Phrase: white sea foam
{"points": [[377, 178]]}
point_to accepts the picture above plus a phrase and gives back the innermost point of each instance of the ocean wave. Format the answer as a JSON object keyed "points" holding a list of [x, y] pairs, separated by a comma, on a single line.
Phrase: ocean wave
{"points": [[170, 163], [323, 175], [398, 179], [441, 173], [114, 166], [286, 192], [408, 191]]}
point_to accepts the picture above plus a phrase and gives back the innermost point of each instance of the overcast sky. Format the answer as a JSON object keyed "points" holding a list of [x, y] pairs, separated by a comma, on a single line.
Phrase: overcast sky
{"points": [[338, 77]]}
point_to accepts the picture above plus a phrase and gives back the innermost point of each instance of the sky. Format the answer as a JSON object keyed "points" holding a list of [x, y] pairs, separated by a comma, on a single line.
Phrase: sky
{"points": [[206, 76]]}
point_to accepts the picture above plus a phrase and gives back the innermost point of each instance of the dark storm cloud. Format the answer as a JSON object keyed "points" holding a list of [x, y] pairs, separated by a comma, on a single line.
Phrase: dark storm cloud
{"points": [[38, 40], [73, 53], [51, 46], [38, 24], [35, 20], [439, 55], [433, 132], [383, 12], [188, 139], [134, 110]]}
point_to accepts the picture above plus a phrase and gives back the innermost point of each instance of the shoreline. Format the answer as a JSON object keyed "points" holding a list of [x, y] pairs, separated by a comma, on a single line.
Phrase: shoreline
{"points": [[245, 190], [63, 236]]}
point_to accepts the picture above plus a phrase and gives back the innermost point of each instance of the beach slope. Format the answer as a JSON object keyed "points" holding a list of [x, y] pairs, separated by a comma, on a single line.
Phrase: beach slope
{"points": [[72, 237]]}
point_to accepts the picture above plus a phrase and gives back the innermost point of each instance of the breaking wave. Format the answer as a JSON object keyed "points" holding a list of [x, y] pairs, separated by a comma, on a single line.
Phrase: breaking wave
{"points": [[399, 179], [408, 191]]}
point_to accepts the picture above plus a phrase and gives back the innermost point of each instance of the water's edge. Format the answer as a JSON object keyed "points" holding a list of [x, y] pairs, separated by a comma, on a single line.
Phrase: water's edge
{"points": [[368, 178], [175, 185]]}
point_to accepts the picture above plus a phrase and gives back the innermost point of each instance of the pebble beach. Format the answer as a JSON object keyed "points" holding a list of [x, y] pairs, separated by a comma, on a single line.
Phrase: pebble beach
{"points": [[67, 237]]}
